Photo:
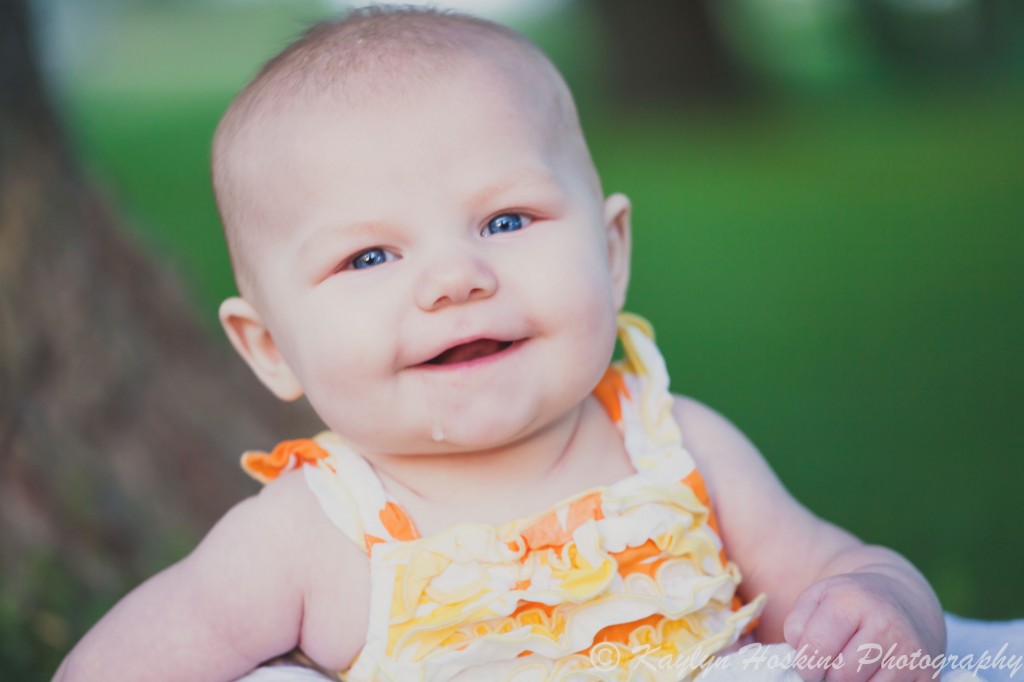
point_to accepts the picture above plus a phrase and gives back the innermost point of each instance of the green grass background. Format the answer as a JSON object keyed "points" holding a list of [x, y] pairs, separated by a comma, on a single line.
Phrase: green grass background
{"points": [[840, 273]]}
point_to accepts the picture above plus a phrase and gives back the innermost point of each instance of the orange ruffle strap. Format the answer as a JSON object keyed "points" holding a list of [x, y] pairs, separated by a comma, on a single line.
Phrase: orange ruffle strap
{"points": [[608, 390], [288, 455], [396, 522]]}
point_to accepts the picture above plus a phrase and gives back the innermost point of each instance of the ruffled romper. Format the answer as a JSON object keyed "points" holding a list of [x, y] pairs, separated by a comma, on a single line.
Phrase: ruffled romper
{"points": [[623, 582]]}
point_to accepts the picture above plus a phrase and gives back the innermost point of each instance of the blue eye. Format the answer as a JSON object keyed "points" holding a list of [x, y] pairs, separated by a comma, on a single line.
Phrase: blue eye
{"points": [[370, 258], [506, 222]]}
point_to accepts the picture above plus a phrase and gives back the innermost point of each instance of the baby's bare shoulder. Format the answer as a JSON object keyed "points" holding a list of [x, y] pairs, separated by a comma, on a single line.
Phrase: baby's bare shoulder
{"points": [[713, 440], [329, 569], [254, 588], [737, 476]]}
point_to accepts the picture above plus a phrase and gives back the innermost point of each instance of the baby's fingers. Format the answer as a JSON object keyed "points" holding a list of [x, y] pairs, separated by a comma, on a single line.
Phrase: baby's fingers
{"points": [[796, 622], [820, 632]]}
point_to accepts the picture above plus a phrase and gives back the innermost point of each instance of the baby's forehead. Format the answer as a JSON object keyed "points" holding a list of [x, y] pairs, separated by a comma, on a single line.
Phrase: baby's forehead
{"points": [[294, 124], [383, 98], [480, 125]]}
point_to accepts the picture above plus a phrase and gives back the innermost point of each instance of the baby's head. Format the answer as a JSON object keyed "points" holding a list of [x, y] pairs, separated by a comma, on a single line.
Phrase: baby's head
{"points": [[418, 233]]}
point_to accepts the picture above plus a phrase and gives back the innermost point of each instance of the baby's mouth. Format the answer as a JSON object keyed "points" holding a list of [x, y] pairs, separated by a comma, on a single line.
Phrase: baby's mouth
{"points": [[465, 352]]}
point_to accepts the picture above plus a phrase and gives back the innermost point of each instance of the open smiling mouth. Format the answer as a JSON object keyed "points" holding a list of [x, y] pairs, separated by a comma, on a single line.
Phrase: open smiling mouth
{"points": [[467, 352]]}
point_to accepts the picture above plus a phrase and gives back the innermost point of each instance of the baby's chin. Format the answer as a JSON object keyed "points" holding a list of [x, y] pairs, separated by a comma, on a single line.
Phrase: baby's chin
{"points": [[453, 437], [462, 437]]}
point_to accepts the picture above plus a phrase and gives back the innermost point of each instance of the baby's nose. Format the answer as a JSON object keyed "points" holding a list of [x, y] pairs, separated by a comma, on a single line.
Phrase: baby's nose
{"points": [[457, 277]]}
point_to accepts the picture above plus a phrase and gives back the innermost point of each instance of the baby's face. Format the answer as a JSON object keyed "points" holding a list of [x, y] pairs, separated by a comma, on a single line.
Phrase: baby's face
{"points": [[437, 267]]}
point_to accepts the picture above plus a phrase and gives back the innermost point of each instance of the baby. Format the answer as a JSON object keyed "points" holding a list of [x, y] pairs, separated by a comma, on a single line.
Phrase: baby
{"points": [[423, 249]]}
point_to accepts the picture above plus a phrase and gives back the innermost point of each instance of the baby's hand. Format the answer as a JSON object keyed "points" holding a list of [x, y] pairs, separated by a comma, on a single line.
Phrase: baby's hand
{"points": [[867, 617]]}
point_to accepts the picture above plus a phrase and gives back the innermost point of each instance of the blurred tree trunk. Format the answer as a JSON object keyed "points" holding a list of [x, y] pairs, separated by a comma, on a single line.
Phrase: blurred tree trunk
{"points": [[120, 421], [667, 52]]}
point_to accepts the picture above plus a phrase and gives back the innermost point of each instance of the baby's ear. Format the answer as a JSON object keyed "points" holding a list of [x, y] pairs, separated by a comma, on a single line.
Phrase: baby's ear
{"points": [[617, 211], [251, 338]]}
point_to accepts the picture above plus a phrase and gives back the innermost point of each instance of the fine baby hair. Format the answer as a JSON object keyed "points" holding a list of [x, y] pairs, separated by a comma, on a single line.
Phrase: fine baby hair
{"points": [[424, 250]]}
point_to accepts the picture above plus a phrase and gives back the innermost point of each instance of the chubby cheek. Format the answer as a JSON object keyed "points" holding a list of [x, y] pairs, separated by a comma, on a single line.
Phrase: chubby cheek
{"points": [[582, 282], [593, 322], [578, 300], [339, 362]]}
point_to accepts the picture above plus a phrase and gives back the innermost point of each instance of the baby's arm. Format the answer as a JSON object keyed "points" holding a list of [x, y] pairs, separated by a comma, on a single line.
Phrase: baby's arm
{"points": [[234, 602], [826, 589]]}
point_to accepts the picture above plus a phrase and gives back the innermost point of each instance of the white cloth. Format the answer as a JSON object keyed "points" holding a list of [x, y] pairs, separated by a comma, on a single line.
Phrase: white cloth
{"points": [[282, 673], [993, 650], [986, 651]]}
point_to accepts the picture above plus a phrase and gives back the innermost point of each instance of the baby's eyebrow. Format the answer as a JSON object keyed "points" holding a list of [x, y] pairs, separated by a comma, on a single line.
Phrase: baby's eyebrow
{"points": [[312, 245], [529, 178]]}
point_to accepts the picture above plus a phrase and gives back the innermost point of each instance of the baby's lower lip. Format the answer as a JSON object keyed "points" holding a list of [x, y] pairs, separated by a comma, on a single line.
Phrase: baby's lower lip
{"points": [[452, 359]]}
